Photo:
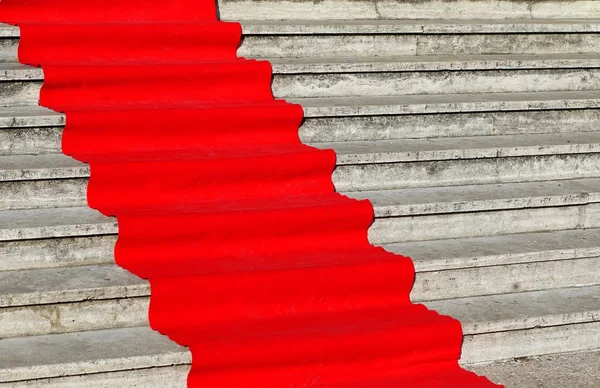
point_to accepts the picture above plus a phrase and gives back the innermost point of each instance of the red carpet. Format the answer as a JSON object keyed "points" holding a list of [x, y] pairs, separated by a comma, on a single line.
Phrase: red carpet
{"points": [[254, 261]]}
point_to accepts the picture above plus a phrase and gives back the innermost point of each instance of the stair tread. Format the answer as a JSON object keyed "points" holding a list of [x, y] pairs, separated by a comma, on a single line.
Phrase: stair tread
{"points": [[439, 255], [419, 26], [54, 166], [108, 281], [525, 310], [432, 63], [450, 199], [78, 353], [29, 116], [68, 284], [17, 71], [54, 222], [75, 221], [132, 348], [45, 166], [475, 147], [446, 103]]}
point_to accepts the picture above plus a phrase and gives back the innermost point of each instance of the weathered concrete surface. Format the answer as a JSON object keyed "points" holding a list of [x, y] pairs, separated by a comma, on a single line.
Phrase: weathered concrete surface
{"points": [[579, 370], [374, 45], [43, 194], [163, 377], [88, 352], [57, 252], [52, 223], [419, 9]]}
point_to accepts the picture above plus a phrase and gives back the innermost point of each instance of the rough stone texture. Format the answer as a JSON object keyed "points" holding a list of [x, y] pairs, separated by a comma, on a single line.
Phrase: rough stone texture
{"points": [[46, 166], [71, 284], [424, 83], [72, 317], [29, 116], [465, 172], [443, 200], [164, 377], [477, 147], [445, 103], [321, 46], [57, 252], [476, 224], [43, 194], [88, 352], [338, 129], [551, 371], [30, 141], [500, 250], [51, 223], [419, 9]]}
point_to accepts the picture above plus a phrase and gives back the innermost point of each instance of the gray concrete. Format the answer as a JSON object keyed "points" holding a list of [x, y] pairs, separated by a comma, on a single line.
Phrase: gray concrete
{"points": [[29, 358], [551, 371], [35, 167], [43, 194], [56, 252], [163, 377], [75, 284], [30, 141], [500, 250], [52, 223], [420, 9], [420, 126], [29, 116], [445, 103]]}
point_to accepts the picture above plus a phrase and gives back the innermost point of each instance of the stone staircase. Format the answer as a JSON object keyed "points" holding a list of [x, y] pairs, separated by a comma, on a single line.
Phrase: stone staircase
{"points": [[476, 139]]}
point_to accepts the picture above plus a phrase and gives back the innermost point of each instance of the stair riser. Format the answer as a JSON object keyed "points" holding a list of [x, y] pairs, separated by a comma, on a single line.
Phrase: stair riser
{"points": [[30, 141], [63, 187], [337, 129], [386, 84], [131, 312], [60, 252], [320, 46], [45, 140], [437, 82], [43, 194], [163, 377], [19, 92], [464, 172], [506, 279], [476, 349], [479, 224], [389, 9], [9, 50], [73, 317], [522, 343]]}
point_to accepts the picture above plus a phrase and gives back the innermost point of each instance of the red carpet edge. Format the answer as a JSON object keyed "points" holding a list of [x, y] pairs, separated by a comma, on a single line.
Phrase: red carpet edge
{"points": [[255, 262]]}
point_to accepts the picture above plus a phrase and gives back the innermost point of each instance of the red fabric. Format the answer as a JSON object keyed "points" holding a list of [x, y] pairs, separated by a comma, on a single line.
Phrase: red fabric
{"points": [[254, 261]]}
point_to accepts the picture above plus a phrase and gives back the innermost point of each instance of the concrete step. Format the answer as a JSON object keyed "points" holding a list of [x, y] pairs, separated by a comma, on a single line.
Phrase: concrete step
{"points": [[42, 180], [556, 320], [369, 38], [420, 9], [96, 297], [91, 352], [34, 130], [63, 300], [343, 38], [349, 77], [54, 222], [57, 252], [502, 327], [548, 371]]}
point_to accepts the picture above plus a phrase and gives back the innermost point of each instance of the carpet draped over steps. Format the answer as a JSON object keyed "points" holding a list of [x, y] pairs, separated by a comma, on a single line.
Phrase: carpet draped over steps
{"points": [[254, 262]]}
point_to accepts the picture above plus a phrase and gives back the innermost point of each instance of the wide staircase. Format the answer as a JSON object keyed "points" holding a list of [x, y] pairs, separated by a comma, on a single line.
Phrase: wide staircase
{"points": [[472, 126]]}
